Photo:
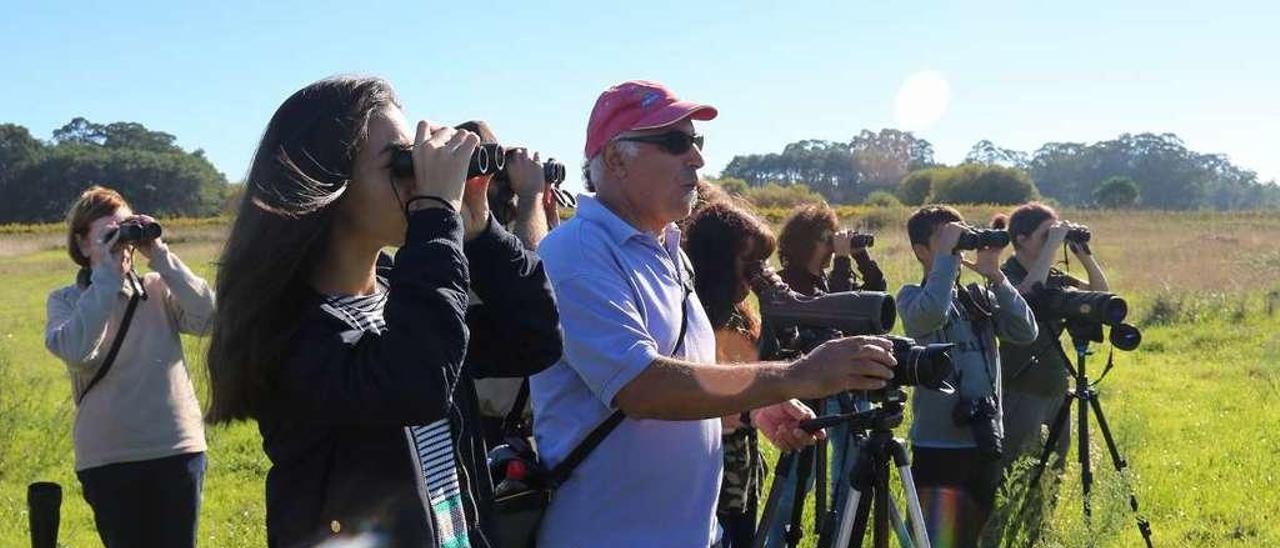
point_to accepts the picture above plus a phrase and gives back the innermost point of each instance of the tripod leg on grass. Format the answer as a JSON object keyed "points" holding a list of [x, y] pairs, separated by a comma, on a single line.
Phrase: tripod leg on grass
{"points": [[804, 470], [1121, 466], [781, 471], [1086, 469], [1055, 432], [915, 513]]}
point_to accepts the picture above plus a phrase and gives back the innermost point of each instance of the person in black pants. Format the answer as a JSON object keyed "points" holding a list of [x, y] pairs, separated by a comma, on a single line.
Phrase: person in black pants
{"points": [[139, 438], [351, 361]]}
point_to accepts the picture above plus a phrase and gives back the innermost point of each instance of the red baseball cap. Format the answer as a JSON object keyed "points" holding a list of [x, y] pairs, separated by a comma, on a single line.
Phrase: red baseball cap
{"points": [[638, 105]]}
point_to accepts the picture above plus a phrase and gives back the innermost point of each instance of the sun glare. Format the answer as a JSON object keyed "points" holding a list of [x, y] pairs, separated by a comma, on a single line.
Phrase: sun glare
{"points": [[922, 100]]}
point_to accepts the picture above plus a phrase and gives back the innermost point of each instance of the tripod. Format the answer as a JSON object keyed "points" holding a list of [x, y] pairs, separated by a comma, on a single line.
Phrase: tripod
{"points": [[1085, 392], [868, 484]]}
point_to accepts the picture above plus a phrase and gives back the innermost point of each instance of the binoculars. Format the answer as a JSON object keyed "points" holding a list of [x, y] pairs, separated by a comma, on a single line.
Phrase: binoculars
{"points": [[134, 230]]}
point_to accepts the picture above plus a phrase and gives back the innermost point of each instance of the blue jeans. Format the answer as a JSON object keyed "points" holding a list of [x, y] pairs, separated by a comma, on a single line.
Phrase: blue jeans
{"points": [[843, 456], [146, 503]]}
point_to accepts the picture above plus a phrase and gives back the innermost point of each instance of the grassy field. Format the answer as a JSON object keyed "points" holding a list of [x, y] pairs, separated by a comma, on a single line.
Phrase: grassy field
{"points": [[1195, 409]]}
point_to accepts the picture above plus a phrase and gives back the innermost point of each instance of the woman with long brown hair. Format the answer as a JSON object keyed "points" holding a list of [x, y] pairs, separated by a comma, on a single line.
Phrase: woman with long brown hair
{"points": [[724, 242], [351, 361]]}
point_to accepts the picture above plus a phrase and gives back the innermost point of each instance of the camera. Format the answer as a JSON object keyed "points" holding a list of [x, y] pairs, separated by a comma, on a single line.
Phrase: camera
{"points": [[982, 416], [982, 238], [487, 159], [1086, 312], [134, 230], [849, 312], [928, 366], [857, 240]]}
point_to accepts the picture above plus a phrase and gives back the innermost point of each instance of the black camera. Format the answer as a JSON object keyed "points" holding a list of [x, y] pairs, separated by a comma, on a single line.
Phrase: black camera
{"points": [[1086, 312], [134, 230], [487, 159], [982, 416], [849, 312], [857, 240], [928, 366], [982, 238]]}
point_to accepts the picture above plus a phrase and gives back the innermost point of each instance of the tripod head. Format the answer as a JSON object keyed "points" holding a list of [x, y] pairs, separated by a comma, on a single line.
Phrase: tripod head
{"points": [[884, 418]]}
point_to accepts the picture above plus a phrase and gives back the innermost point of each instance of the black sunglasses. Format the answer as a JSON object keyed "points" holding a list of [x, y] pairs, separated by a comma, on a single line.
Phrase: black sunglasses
{"points": [[674, 142]]}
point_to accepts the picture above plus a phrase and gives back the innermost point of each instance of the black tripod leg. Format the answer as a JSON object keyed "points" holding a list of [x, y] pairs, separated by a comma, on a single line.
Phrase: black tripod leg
{"points": [[1086, 469], [1118, 461], [819, 486], [881, 537], [781, 471], [804, 469]]}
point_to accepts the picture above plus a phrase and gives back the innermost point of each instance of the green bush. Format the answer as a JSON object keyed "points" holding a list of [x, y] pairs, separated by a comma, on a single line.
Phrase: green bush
{"points": [[881, 198], [983, 184]]}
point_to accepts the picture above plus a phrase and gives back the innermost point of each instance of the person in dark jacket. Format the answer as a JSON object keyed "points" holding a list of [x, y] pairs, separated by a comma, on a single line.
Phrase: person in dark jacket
{"points": [[817, 258], [811, 242], [357, 366], [1035, 375]]}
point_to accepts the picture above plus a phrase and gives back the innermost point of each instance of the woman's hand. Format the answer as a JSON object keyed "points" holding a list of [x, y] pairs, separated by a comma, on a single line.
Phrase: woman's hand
{"points": [[475, 207], [440, 160], [152, 248], [104, 252]]}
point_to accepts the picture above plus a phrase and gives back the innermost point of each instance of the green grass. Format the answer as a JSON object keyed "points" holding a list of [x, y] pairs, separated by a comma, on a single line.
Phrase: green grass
{"points": [[1194, 410]]}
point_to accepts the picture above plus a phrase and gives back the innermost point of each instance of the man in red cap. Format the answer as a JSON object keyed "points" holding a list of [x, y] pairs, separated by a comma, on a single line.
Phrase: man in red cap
{"points": [[639, 353]]}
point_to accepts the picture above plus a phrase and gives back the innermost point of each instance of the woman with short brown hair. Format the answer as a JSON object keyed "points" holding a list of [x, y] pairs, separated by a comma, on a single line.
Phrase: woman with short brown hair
{"points": [[139, 441]]}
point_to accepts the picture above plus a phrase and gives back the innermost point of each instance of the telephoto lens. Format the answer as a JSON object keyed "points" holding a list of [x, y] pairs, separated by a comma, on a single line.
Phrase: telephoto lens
{"points": [[927, 366], [982, 238]]}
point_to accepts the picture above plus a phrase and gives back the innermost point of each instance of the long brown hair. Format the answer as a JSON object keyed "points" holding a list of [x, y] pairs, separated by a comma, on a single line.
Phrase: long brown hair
{"points": [[714, 236], [301, 168]]}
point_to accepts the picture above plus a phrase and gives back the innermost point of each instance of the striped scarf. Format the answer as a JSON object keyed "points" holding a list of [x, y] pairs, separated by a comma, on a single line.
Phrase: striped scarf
{"points": [[430, 446]]}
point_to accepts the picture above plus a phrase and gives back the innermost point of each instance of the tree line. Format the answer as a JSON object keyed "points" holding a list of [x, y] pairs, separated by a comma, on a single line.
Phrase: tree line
{"points": [[39, 179], [1133, 170]]}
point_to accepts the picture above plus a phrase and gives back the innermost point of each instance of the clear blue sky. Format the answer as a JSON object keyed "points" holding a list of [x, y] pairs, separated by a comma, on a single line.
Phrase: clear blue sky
{"points": [[1019, 73]]}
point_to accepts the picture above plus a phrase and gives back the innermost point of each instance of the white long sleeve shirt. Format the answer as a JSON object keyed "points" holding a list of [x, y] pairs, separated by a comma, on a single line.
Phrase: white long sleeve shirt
{"points": [[145, 407]]}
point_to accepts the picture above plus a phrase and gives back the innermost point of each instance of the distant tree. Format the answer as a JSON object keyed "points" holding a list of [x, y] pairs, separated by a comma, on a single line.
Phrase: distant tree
{"points": [[914, 189], [17, 146], [986, 152], [881, 198], [80, 131], [882, 159], [979, 184], [1116, 192], [154, 174]]}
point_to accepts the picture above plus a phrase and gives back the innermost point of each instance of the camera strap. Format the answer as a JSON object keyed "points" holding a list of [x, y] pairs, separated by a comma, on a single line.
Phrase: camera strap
{"points": [[138, 294]]}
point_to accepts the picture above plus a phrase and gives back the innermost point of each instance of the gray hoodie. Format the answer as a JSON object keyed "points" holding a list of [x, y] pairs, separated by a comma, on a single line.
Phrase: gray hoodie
{"points": [[933, 314]]}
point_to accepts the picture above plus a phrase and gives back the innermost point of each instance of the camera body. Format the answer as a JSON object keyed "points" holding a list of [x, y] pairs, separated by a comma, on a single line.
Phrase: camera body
{"points": [[928, 366], [135, 230], [982, 416], [982, 238]]}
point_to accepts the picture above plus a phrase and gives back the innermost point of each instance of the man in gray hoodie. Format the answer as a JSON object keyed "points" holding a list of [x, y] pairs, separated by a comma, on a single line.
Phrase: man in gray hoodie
{"points": [[954, 437]]}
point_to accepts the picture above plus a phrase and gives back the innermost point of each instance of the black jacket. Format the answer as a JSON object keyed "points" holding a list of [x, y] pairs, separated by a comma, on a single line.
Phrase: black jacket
{"points": [[335, 430]]}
